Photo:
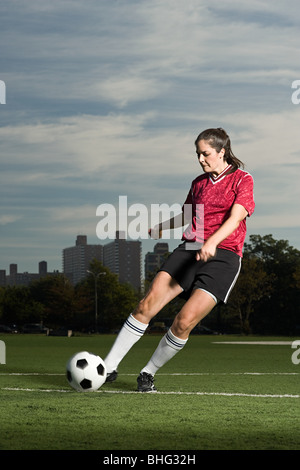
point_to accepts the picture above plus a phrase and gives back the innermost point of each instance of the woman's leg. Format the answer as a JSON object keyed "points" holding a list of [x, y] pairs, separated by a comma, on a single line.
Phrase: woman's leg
{"points": [[197, 307], [162, 290]]}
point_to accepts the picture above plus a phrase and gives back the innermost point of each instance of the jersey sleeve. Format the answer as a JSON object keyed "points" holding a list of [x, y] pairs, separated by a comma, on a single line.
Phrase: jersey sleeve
{"points": [[245, 196]]}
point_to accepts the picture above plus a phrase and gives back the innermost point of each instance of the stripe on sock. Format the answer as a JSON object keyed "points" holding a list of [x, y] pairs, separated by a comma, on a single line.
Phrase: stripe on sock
{"points": [[173, 341], [135, 326]]}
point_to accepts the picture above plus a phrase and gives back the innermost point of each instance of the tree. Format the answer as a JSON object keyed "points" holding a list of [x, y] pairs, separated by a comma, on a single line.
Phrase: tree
{"points": [[253, 285], [277, 313], [2, 295], [115, 300], [296, 277], [56, 294], [19, 307]]}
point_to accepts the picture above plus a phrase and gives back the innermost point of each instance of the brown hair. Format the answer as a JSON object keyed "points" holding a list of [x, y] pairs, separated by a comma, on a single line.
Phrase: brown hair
{"points": [[219, 139]]}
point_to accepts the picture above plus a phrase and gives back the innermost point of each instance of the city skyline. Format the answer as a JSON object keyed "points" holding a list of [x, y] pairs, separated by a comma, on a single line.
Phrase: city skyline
{"points": [[106, 99], [122, 258], [61, 267]]}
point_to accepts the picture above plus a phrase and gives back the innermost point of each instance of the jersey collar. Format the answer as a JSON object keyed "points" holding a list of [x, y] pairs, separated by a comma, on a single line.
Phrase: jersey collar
{"points": [[216, 179]]}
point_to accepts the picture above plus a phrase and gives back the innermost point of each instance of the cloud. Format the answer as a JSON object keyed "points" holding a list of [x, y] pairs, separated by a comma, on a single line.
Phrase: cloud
{"points": [[8, 219], [123, 91], [120, 152], [127, 52], [90, 145]]}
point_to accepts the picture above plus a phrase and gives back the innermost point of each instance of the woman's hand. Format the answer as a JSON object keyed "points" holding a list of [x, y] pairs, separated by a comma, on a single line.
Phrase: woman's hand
{"points": [[155, 232], [207, 251]]}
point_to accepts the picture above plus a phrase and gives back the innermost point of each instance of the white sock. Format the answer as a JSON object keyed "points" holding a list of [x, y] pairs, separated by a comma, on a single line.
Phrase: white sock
{"points": [[130, 333], [169, 346]]}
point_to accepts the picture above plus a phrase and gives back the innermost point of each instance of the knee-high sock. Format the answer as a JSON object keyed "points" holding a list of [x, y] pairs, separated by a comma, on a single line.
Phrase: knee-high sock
{"points": [[168, 346], [130, 333]]}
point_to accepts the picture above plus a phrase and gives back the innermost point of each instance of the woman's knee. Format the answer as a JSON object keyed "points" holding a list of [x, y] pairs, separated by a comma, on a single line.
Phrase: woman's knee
{"points": [[146, 308], [162, 290], [196, 308], [182, 326]]}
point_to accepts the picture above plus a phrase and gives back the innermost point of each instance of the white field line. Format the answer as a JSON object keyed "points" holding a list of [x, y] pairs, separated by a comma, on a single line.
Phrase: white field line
{"points": [[159, 393], [121, 392], [263, 343]]}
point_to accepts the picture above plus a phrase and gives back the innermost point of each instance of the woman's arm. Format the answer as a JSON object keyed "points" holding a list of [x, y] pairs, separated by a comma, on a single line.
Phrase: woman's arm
{"points": [[208, 250]]}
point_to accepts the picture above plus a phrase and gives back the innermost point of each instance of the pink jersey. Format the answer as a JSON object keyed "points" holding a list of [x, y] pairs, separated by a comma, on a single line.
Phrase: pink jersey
{"points": [[216, 196]]}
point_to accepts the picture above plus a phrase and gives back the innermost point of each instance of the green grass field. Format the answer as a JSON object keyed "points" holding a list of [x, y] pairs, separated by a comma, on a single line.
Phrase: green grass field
{"points": [[211, 397]]}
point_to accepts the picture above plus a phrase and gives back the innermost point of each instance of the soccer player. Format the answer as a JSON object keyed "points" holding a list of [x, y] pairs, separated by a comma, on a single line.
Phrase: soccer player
{"points": [[205, 266]]}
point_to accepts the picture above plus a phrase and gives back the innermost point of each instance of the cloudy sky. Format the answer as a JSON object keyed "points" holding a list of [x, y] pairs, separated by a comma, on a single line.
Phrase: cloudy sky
{"points": [[105, 98]]}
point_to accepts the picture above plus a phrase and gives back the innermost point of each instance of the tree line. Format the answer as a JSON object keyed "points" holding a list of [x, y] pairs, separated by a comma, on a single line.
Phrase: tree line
{"points": [[55, 302], [265, 299]]}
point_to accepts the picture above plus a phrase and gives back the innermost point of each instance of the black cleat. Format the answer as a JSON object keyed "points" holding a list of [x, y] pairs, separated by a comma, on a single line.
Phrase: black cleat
{"points": [[145, 383], [112, 376]]}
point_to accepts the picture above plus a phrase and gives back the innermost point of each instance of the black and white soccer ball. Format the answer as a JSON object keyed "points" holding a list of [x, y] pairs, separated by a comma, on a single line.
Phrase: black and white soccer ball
{"points": [[86, 372]]}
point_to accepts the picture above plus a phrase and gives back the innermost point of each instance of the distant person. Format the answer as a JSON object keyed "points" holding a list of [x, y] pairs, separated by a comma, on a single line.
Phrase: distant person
{"points": [[205, 266]]}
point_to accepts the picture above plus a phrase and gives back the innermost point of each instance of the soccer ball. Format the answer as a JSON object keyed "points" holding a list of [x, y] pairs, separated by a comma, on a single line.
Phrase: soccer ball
{"points": [[86, 372]]}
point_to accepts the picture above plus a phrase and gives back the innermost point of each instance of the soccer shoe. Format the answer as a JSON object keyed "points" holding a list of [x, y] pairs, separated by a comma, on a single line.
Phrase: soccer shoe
{"points": [[111, 377], [145, 383]]}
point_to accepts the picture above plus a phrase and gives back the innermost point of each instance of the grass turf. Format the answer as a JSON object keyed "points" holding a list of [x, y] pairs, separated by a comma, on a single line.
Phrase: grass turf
{"points": [[234, 397]]}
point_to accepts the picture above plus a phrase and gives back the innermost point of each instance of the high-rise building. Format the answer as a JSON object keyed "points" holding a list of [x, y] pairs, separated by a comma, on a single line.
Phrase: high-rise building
{"points": [[14, 278], [77, 259], [123, 258], [153, 260], [2, 277], [43, 268]]}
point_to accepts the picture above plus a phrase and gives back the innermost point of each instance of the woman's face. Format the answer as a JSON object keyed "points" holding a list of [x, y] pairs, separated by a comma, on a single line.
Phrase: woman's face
{"points": [[210, 160]]}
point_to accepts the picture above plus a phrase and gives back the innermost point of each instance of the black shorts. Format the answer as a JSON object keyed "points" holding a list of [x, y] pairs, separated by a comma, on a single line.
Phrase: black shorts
{"points": [[217, 276]]}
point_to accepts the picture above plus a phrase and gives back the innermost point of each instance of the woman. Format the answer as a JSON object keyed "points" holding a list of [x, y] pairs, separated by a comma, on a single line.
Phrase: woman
{"points": [[204, 274]]}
